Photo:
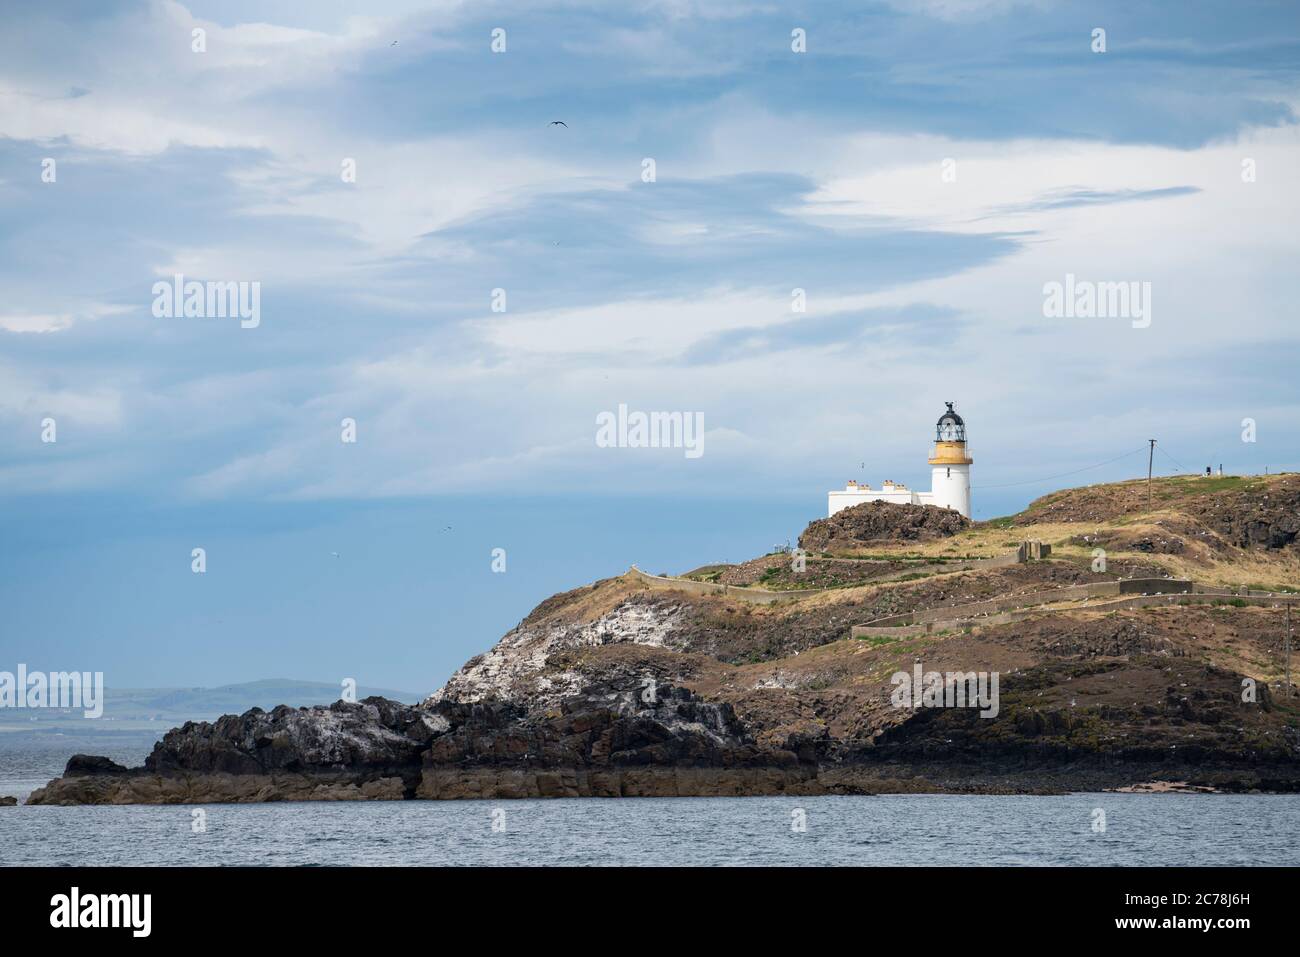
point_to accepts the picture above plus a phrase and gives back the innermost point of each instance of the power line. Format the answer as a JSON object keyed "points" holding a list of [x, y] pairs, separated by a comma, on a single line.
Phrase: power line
{"points": [[1063, 474], [1151, 457], [1171, 458]]}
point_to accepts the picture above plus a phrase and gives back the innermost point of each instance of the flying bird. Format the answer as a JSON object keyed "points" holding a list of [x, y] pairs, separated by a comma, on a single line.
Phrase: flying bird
{"points": [[559, 123]]}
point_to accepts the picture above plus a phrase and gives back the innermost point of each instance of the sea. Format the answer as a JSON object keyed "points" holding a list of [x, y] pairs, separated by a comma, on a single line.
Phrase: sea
{"points": [[892, 830]]}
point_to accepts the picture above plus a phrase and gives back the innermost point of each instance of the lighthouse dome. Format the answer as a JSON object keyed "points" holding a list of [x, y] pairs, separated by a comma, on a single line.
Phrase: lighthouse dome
{"points": [[950, 427]]}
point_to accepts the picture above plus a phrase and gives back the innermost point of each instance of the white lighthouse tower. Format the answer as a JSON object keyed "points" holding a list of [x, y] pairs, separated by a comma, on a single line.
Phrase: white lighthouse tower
{"points": [[950, 475]]}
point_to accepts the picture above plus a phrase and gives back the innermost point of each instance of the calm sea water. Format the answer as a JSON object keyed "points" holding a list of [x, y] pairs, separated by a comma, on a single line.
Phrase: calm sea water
{"points": [[893, 830]]}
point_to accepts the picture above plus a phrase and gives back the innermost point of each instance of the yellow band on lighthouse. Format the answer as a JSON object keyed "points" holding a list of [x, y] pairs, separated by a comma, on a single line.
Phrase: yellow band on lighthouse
{"points": [[950, 453]]}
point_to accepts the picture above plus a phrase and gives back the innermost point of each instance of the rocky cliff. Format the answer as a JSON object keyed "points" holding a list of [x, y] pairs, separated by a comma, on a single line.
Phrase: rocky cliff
{"points": [[623, 689], [875, 523]]}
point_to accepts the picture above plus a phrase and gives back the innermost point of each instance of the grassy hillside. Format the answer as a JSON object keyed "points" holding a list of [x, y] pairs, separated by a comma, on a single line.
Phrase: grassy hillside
{"points": [[1083, 680], [1232, 531]]}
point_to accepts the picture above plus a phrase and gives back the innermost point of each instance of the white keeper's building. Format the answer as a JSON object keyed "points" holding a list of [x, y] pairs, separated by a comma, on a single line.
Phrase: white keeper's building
{"points": [[949, 475]]}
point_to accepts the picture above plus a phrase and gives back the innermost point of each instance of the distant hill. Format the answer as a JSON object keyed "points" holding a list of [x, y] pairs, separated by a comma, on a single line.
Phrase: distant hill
{"points": [[163, 708]]}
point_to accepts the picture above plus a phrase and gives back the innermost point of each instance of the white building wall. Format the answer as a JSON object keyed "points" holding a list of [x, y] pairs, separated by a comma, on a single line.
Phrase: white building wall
{"points": [[950, 487], [848, 497]]}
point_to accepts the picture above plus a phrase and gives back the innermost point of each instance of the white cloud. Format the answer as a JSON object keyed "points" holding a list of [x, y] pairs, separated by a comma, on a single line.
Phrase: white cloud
{"points": [[143, 88], [958, 10], [647, 329], [58, 321], [508, 401], [28, 396], [403, 191]]}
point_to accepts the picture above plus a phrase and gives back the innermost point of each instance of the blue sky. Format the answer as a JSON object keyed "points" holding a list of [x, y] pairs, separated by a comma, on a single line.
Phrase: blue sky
{"points": [[775, 170]]}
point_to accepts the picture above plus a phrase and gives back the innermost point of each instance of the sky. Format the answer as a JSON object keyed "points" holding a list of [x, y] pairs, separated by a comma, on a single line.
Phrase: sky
{"points": [[810, 224]]}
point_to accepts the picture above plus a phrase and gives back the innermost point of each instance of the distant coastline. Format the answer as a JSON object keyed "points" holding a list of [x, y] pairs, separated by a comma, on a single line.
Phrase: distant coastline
{"points": [[158, 709]]}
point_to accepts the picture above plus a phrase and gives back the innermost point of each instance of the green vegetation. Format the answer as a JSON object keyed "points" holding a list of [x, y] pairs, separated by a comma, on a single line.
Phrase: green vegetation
{"points": [[706, 573], [1205, 486], [773, 579]]}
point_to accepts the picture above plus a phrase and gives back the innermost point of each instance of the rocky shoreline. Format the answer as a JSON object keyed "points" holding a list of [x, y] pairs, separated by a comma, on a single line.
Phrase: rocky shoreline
{"points": [[605, 743], [379, 750], [617, 690]]}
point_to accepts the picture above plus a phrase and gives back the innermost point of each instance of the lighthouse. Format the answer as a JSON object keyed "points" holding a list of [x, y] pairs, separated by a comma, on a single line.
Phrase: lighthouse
{"points": [[950, 465]]}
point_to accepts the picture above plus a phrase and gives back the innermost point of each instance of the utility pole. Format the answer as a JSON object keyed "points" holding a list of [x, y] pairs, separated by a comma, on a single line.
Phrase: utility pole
{"points": [[1151, 455], [1288, 649]]}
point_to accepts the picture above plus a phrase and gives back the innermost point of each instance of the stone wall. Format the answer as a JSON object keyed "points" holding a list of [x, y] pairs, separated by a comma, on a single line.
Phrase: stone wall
{"points": [[763, 596], [757, 595], [1155, 586], [968, 616]]}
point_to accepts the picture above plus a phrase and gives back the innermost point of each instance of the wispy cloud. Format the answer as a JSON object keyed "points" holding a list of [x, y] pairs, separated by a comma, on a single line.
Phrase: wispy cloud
{"points": [[1068, 197], [774, 172]]}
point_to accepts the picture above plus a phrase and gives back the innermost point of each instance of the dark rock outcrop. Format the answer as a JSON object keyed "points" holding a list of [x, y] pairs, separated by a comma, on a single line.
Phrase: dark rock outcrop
{"points": [[346, 751], [632, 738], [1264, 517], [624, 739], [875, 523], [82, 765], [371, 736]]}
